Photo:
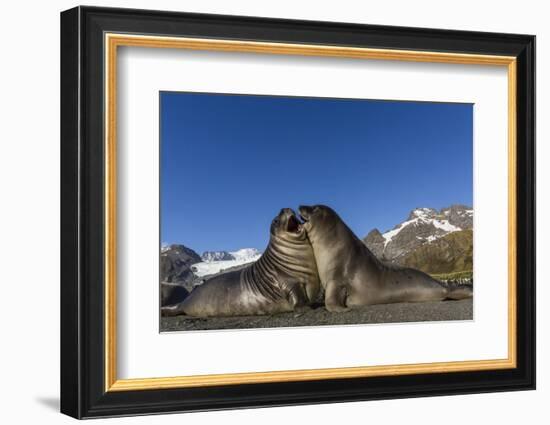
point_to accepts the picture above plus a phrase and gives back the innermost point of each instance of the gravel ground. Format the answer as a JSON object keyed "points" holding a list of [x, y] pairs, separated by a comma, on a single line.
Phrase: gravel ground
{"points": [[318, 315]]}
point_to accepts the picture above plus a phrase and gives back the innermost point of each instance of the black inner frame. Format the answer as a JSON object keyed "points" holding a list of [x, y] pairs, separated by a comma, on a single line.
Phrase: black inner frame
{"points": [[82, 207]]}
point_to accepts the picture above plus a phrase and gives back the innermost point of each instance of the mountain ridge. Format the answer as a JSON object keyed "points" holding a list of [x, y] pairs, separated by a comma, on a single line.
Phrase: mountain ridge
{"points": [[181, 265], [431, 240]]}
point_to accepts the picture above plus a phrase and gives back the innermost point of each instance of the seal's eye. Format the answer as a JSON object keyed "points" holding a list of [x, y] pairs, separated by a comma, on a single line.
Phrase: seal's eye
{"points": [[275, 221]]}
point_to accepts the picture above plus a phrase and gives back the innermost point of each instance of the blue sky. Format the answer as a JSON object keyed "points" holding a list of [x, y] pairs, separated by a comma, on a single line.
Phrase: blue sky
{"points": [[229, 163]]}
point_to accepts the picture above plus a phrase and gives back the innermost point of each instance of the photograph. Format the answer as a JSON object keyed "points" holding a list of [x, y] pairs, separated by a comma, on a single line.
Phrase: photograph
{"points": [[288, 211]]}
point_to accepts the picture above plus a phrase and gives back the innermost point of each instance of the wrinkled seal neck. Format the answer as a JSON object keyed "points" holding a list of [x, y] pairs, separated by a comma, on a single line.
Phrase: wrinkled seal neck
{"points": [[285, 260]]}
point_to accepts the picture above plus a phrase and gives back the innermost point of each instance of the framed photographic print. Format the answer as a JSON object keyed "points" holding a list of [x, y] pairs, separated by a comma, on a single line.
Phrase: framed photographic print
{"points": [[261, 212]]}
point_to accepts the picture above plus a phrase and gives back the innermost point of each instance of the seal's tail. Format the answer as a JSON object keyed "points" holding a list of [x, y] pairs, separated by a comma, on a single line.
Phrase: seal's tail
{"points": [[172, 310], [460, 292]]}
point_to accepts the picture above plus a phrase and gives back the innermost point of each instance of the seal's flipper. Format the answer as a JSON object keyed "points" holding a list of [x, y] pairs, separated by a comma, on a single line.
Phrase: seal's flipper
{"points": [[297, 297], [335, 297], [172, 310], [460, 292]]}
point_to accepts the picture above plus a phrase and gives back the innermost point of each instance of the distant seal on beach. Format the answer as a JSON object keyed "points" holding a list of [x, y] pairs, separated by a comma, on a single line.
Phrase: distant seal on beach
{"points": [[171, 293], [283, 279], [352, 276]]}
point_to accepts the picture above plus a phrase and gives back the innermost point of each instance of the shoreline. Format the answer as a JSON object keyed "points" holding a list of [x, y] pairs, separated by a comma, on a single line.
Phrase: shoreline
{"points": [[319, 316]]}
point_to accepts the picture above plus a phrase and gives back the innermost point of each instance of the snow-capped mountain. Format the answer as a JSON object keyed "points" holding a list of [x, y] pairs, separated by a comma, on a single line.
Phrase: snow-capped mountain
{"points": [[246, 254], [209, 256], [422, 226], [239, 255], [181, 265], [231, 259]]}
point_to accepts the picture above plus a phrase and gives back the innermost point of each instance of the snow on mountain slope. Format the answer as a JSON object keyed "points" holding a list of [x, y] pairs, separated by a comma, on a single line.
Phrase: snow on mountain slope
{"points": [[423, 225], [209, 256], [246, 254], [425, 216], [241, 256], [445, 226], [389, 235]]}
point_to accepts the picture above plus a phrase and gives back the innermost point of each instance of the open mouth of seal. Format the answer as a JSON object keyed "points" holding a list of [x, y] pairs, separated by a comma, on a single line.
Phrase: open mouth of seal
{"points": [[293, 225]]}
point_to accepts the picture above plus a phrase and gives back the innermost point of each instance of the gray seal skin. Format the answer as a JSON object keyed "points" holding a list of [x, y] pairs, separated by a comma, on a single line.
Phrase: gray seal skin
{"points": [[283, 279], [352, 276], [171, 293]]}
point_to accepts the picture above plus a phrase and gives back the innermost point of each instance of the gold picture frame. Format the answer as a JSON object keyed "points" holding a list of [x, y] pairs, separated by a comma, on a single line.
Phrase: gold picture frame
{"points": [[114, 41]]}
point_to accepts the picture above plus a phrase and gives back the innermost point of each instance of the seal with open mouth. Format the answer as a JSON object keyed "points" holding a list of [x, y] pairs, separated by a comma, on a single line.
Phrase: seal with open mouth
{"points": [[352, 276], [283, 279]]}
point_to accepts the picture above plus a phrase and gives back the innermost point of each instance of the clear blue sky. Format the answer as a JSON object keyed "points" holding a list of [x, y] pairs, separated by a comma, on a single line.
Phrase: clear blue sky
{"points": [[229, 163]]}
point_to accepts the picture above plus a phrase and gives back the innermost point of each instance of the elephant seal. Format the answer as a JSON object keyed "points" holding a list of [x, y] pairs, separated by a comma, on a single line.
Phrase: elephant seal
{"points": [[283, 279], [352, 276], [170, 293]]}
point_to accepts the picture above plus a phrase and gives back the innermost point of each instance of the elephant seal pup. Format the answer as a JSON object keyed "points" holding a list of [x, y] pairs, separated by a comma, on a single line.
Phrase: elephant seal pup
{"points": [[283, 279], [352, 276], [171, 293]]}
